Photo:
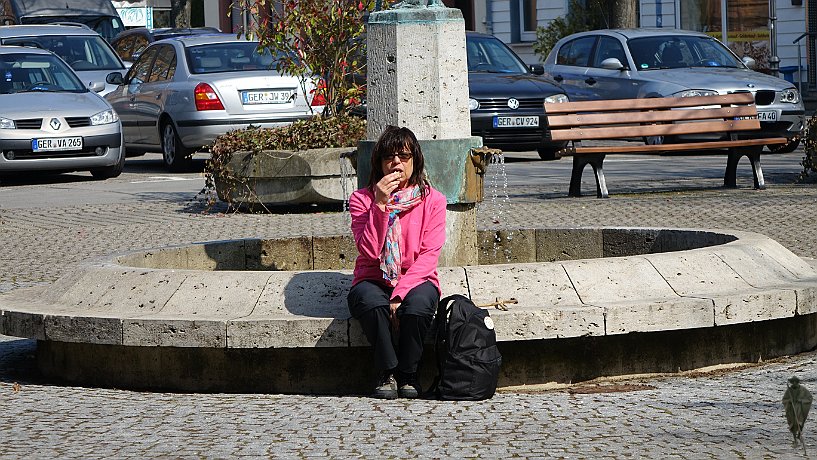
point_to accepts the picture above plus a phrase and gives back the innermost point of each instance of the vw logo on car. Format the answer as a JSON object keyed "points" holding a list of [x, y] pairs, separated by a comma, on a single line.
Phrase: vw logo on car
{"points": [[513, 104]]}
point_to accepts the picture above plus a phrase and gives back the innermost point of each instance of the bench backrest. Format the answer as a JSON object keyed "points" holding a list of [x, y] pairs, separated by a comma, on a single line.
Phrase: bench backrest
{"points": [[625, 118]]}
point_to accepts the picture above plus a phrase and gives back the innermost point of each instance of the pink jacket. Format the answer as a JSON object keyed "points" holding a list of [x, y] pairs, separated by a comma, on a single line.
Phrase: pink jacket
{"points": [[423, 229]]}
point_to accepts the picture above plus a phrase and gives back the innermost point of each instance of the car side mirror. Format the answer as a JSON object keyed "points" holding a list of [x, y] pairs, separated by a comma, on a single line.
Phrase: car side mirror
{"points": [[96, 86], [537, 69], [115, 78], [749, 62], [612, 64]]}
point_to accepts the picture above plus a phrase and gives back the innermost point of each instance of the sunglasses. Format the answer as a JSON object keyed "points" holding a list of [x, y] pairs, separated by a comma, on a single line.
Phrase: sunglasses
{"points": [[403, 156]]}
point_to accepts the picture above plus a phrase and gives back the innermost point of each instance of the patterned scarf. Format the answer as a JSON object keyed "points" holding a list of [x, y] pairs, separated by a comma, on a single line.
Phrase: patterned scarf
{"points": [[400, 201]]}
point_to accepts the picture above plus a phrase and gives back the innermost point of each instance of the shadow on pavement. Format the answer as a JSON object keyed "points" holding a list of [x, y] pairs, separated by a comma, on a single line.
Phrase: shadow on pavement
{"points": [[18, 363]]}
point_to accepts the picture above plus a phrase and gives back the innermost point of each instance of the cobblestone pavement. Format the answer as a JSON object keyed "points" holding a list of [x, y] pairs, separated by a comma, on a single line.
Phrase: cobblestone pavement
{"points": [[719, 414]]}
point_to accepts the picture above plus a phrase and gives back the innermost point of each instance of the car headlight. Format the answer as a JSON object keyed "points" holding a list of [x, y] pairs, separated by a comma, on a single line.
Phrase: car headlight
{"points": [[695, 92], [473, 104], [790, 95], [556, 98], [5, 123], [104, 118]]}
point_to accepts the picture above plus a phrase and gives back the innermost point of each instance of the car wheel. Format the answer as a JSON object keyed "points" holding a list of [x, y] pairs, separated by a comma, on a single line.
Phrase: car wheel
{"points": [[551, 152], [175, 155], [111, 171], [785, 148]]}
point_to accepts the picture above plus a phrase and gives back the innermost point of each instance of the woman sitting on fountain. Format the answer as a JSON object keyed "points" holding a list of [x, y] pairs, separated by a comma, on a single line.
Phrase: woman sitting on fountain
{"points": [[398, 222]]}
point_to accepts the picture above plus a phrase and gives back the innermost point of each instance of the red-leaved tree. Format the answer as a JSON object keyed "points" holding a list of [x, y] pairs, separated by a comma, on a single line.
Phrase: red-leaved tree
{"points": [[317, 40]]}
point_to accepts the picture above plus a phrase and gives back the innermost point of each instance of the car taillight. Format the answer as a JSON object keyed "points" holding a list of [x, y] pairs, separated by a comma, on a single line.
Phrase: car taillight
{"points": [[206, 98], [319, 94]]}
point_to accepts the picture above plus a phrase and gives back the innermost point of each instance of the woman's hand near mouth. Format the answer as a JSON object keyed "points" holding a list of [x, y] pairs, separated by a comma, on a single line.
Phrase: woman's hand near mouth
{"points": [[386, 186]]}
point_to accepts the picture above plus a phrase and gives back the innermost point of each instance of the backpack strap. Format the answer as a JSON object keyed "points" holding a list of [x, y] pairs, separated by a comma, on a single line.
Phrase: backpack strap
{"points": [[440, 334]]}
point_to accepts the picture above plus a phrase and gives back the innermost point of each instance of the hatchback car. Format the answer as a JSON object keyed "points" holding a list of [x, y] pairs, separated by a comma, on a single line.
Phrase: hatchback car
{"points": [[50, 121], [507, 97], [639, 63], [183, 92], [130, 43], [84, 50]]}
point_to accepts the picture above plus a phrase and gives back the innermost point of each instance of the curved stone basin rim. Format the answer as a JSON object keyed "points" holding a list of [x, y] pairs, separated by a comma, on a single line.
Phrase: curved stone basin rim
{"points": [[710, 278]]}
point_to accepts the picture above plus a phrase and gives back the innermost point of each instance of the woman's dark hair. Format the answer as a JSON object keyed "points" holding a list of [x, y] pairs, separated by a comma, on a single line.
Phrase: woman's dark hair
{"points": [[394, 140]]}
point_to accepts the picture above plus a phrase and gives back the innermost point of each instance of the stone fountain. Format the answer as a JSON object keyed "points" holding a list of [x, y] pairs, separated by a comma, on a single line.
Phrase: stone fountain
{"points": [[269, 315]]}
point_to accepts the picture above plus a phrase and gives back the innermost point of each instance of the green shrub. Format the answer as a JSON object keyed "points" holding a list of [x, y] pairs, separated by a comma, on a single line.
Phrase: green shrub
{"points": [[313, 133]]}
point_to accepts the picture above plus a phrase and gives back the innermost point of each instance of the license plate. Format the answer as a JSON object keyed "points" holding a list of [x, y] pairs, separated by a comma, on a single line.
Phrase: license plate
{"points": [[769, 115], [516, 122], [56, 143], [266, 97]]}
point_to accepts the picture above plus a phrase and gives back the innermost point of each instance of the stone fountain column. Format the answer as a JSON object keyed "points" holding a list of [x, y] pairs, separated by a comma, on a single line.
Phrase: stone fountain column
{"points": [[418, 78]]}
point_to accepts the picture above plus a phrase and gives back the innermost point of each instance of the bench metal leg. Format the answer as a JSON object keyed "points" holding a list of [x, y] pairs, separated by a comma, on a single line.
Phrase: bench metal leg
{"points": [[753, 154], [579, 162]]}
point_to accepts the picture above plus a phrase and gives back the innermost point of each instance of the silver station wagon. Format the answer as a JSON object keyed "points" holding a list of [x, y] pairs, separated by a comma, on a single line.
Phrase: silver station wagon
{"points": [[640, 63], [50, 121], [183, 92]]}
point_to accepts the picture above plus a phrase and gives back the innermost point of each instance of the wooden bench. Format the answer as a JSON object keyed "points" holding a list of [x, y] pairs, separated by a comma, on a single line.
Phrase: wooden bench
{"points": [[728, 115]]}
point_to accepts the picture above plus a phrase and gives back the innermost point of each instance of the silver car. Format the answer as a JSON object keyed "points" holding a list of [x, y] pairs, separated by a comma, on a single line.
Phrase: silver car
{"points": [[91, 57], [639, 63], [50, 121], [183, 92]]}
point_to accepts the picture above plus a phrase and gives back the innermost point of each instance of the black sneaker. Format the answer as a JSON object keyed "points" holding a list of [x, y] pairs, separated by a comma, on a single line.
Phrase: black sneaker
{"points": [[409, 391], [387, 388], [408, 387]]}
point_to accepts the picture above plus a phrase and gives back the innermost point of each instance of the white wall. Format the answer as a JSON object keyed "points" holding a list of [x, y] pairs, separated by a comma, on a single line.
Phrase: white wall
{"points": [[791, 23]]}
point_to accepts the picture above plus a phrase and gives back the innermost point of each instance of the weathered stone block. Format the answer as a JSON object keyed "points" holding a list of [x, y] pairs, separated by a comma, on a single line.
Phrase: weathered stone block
{"points": [[754, 305], [506, 246], [334, 252], [216, 255], [280, 254], [622, 242], [174, 333], [286, 332], [658, 315], [554, 244], [86, 329]]}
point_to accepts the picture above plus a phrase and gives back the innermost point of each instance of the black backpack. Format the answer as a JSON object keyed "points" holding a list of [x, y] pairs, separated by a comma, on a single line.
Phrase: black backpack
{"points": [[467, 358]]}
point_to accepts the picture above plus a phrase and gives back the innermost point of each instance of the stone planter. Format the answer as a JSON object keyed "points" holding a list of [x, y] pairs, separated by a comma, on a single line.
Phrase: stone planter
{"points": [[285, 177]]}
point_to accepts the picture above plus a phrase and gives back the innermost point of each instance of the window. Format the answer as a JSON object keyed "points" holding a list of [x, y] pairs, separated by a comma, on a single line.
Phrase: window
{"points": [[576, 52], [609, 48], [529, 22], [123, 47], [139, 72], [164, 66]]}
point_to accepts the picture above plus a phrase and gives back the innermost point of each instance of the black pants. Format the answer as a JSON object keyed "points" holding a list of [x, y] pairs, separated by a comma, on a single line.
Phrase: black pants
{"points": [[369, 304]]}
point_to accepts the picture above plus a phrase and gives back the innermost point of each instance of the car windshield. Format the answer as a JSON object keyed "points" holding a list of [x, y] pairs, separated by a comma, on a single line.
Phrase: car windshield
{"points": [[680, 51], [81, 52], [107, 26], [487, 54], [25, 72], [228, 57]]}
